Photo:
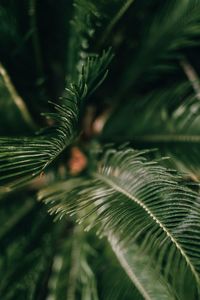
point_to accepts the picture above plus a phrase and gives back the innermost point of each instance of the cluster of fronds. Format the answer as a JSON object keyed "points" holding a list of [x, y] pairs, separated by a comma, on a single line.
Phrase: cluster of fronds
{"points": [[127, 215]]}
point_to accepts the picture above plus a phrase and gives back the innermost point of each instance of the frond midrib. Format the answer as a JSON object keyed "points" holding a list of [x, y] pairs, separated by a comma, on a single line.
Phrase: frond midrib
{"points": [[165, 137], [116, 18], [118, 188], [132, 275]]}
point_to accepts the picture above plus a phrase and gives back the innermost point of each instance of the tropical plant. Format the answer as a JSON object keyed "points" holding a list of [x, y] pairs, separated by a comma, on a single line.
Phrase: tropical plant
{"points": [[99, 188]]}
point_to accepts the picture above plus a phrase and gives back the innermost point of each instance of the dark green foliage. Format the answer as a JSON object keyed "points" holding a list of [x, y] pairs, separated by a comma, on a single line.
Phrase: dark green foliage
{"points": [[150, 213], [23, 248], [114, 221]]}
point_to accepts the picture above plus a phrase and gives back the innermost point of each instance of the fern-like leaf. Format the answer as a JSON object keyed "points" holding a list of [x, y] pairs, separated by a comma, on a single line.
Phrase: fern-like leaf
{"points": [[139, 201], [21, 159], [174, 131]]}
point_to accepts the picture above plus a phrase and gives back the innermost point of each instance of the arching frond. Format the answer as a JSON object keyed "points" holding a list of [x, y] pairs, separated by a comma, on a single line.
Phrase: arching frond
{"points": [[83, 25], [138, 201], [174, 131], [88, 19], [140, 271], [21, 159], [110, 274], [179, 24]]}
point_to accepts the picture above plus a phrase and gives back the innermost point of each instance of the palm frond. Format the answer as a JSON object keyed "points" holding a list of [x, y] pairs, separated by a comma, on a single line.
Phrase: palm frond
{"points": [[81, 273], [71, 273], [121, 9], [83, 25], [24, 158], [178, 24], [21, 159], [138, 201], [40, 258], [174, 130], [110, 274], [9, 31], [10, 100], [140, 271], [89, 18], [26, 248]]}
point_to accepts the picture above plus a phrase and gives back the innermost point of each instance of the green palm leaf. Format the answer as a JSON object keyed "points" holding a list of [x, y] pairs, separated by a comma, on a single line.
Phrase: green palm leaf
{"points": [[21, 159], [137, 201], [140, 271], [174, 130], [71, 273], [26, 247], [178, 24]]}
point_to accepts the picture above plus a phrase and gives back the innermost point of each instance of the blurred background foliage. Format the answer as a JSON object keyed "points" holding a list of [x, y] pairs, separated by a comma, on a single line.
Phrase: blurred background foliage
{"points": [[152, 87]]}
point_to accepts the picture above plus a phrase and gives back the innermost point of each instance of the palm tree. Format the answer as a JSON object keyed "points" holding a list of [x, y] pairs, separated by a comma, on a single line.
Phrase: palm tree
{"points": [[103, 201]]}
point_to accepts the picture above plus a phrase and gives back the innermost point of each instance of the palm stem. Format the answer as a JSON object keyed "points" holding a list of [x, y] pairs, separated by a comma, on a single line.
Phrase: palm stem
{"points": [[192, 76], [17, 99], [116, 18], [75, 254], [35, 38]]}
